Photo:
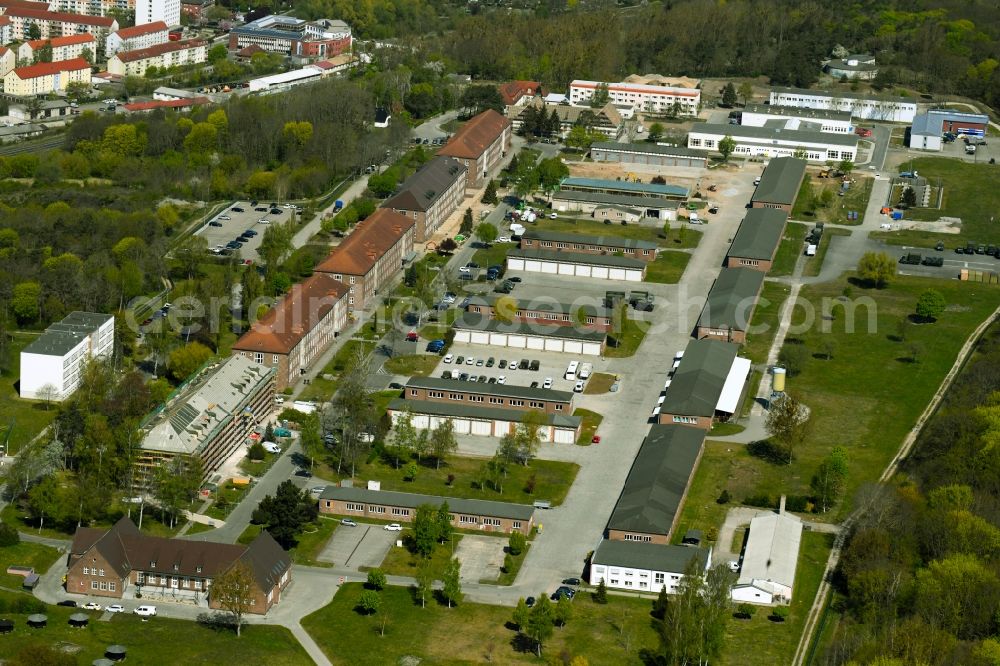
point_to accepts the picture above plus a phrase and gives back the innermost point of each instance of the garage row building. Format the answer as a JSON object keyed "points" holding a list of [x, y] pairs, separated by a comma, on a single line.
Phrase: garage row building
{"points": [[757, 240], [818, 146], [707, 386], [544, 313], [615, 207], [466, 514], [492, 410], [478, 330]]}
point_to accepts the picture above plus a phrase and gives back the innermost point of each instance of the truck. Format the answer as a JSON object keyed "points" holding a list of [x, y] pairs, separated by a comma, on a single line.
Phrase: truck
{"points": [[911, 258], [585, 370], [338, 206]]}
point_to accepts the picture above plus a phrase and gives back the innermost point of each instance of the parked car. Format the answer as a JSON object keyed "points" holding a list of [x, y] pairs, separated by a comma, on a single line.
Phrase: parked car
{"points": [[92, 605], [575, 582], [347, 522], [503, 239], [303, 473], [563, 591], [529, 602], [523, 365], [115, 608], [448, 358], [473, 378], [479, 362], [67, 602], [393, 527], [502, 379], [503, 364], [547, 383], [534, 365], [412, 336], [446, 374], [534, 384], [578, 388], [734, 566], [236, 209], [463, 377], [490, 362], [145, 611], [514, 279], [215, 223]]}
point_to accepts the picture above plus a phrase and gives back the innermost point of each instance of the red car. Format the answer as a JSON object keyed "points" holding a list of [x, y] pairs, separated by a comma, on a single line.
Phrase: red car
{"points": [[862, 132], [412, 336], [596, 439]]}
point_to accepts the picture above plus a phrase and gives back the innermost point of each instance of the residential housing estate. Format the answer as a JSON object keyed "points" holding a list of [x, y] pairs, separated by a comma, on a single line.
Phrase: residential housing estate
{"points": [[51, 366], [650, 94], [161, 56], [136, 37], [46, 77], [66, 47]]}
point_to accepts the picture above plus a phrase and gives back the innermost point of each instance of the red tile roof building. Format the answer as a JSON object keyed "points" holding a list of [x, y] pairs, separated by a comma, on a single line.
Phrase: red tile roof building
{"points": [[515, 93], [55, 24], [372, 256], [46, 77], [63, 48], [480, 144], [296, 331], [137, 37]]}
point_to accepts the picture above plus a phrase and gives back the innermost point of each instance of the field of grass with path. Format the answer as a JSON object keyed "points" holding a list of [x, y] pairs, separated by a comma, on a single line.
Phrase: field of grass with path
{"points": [[399, 561], [792, 245], [25, 554], [414, 365], [591, 421], [765, 319], [474, 633], [668, 267], [632, 336], [855, 199]]}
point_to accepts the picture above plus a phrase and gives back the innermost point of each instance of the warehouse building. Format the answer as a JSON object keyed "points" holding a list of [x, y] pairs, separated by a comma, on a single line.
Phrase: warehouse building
{"points": [[858, 66], [928, 129], [654, 492], [730, 304], [775, 142], [624, 187], [522, 335], [767, 572], [499, 396], [865, 106], [648, 153], [757, 241], [536, 239], [581, 264], [615, 207], [765, 115], [644, 567], [707, 386], [779, 184]]}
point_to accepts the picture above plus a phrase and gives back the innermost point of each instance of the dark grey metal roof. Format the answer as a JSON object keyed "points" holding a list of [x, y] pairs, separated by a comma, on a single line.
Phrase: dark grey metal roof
{"points": [[479, 388], [649, 148], [654, 489], [578, 258], [616, 199], [759, 234], [421, 190], [732, 299], [477, 322], [61, 337], [774, 134], [698, 381], [780, 181], [413, 500], [652, 556], [465, 410], [583, 239]]}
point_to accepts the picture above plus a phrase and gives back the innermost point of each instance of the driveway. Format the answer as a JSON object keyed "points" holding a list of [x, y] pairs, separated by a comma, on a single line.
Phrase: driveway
{"points": [[354, 547], [481, 557]]}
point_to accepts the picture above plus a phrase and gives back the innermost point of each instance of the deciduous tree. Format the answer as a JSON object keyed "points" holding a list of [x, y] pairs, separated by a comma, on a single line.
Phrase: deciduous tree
{"points": [[452, 583], [234, 591], [787, 422], [876, 268], [930, 304]]}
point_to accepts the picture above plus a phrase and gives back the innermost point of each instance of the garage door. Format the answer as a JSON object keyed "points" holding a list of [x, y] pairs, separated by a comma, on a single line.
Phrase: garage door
{"points": [[583, 271], [591, 349], [616, 273], [421, 421], [565, 436], [533, 266], [545, 433], [462, 336], [553, 345], [480, 337], [498, 339], [550, 267], [565, 269], [482, 428], [599, 272], [462, 426], [535, 343], [633, 276], [516, 341], [435, 421], [573, 347], [515, 264], [501, 428]]}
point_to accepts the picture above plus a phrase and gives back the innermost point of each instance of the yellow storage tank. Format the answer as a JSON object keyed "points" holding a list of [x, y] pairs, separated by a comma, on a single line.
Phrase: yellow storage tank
{"points": [[778, 383]]}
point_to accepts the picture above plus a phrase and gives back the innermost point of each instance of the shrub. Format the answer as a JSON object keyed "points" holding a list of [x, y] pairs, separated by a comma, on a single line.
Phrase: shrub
{"points": [[767, 450], [797, 503], [745, 611], [256, 451], [8, 535], [508, 563], [376, 579], [24, 604], [778, 614], [601, 595], [517, 543], [761, 500], [723, 497]]}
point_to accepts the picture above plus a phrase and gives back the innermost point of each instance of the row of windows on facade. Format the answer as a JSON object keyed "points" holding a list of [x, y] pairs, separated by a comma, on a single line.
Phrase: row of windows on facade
{"points": [[534, 404], [593, 248], [658, 577], [849, 103], [462, 519], [175, 582], [685, 419]]}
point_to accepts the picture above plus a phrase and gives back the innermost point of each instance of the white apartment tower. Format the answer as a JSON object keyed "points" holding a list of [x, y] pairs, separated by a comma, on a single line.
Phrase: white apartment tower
{"points": [[150, 11], [51, 365]]}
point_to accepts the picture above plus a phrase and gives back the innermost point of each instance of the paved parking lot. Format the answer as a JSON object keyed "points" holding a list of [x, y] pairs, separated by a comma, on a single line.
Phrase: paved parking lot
{"points": [[361, 546], [551, 364], [481, 557], [238, 222]]}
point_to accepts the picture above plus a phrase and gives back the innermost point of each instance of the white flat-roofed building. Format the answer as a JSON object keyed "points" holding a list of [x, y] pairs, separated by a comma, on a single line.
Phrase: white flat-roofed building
{"points": [[644, 567], [209, 418], [642, 97], [51, 365], [151, 11], [861, 105], [860, 66], [775, 142], [767, 572], [765, 115], [266, 85]]}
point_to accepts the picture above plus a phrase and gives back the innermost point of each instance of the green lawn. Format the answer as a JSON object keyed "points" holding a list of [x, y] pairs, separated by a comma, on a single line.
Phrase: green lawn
{"points": [[792, 245], [508, 577], [723, 466], [311, 541], [13, 514], [492, 256], [917, 238], [256, 468], [552, 479], [668, 267], [25, 554], [815, 264], [629, 342], [416, 365], [856, 199], [151, 642], [689, 238], [474, 633], [591, 420], [775, 642], [765, 318], [726, 429], [323, 389], [401, 562], [599, 382], [26, 417]]}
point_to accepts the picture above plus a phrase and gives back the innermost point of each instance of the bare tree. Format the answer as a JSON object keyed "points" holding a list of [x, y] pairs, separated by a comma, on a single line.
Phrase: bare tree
{"points": [[234, 592], [47, 393]]}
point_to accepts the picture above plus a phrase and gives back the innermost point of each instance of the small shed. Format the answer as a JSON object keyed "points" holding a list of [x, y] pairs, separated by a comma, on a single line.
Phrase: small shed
{"points": [[37, 621], [115, 653], [79, 620], [692, 538], [6, 626]]}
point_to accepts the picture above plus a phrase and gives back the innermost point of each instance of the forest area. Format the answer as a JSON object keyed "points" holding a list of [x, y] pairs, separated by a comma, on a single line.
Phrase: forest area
{"points": [[919, 578]]}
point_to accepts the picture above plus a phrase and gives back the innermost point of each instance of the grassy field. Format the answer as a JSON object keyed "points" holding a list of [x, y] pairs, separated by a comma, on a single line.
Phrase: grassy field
{"points": [[492, 256], [721, 429], [552, 479], [775, 642], [474, 633], [311, 541], [668, 267], [25, 554], [869, 423], [792, 245], [401, 562], [856, 199], [689, 238], [815, 264], [26, 417], [591, 420], [917, 238], [148, 642], [323, 389], [970, 193], [599, 382], [765, 317], [416, 365], [632, 337]]}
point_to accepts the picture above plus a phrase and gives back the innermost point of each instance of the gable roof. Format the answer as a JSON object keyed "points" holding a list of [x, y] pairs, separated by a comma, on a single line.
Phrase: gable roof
{"points": [[479, 388], [158, 49], [772, 549], [139, 30], [56, 42], [700, 378], [651, 556], [28, 10], [371, 240], [301, 310], [474, 507], [780, 181], [582, 239], [623, 186], [654, 490], [759, 234], [512, 91], [421, 190], [731, 301], [50, 68], [474, 137], [267, 560]]}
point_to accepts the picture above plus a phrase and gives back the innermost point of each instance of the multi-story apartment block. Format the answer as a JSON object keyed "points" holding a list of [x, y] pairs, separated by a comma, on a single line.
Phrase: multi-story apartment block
{"points": [[51, 365]]}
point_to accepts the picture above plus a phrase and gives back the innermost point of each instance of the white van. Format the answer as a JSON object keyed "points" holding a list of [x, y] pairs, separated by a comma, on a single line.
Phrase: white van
{"points": [[571, 371], [810, 250], [585, 370]]}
